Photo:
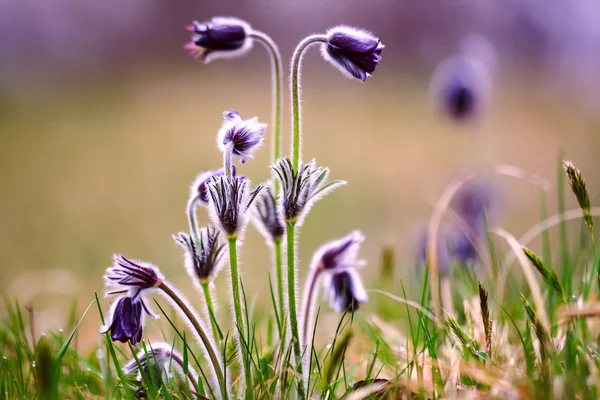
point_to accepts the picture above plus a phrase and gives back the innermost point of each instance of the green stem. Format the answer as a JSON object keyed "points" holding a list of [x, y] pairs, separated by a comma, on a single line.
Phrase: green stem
{"points": [[279, 269], [295, 89], [200, 331], [211, 310], [293, 316], [276, 65], [237, 305]]}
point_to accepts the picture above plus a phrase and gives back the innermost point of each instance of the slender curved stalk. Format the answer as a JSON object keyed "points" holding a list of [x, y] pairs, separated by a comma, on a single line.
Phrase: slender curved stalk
{"points": [[210, 309], [199, 330], [237, 306], [191, 375], [279, 270], [308, 296], [291, 240], [295, 89], [227, 160], [277, 67], [191, 214]]}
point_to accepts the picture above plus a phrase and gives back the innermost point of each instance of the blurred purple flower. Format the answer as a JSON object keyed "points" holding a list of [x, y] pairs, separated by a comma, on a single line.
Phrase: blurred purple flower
{"points": [[421, 250], [221, 37], [355, 52], [267, 216], [346, 290], [244, 136]]}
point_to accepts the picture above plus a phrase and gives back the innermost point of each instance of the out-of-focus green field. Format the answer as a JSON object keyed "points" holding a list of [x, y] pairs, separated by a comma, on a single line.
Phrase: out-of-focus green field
{"points": [[104, 166]]}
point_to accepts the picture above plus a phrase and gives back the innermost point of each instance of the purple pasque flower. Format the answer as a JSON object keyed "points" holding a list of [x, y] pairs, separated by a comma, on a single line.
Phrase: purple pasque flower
{"points": [[267, 216], [337, 261], [355, 52], [230, 200], [203, 259], [199, 191], [301, 189], [345, 289], [132, 280], [221, 37], [241, 137]]}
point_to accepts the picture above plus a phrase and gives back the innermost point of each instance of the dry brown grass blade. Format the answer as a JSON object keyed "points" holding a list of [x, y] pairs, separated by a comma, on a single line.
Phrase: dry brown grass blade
{"points": [[567, 313], [529, 276], [443, 204]]}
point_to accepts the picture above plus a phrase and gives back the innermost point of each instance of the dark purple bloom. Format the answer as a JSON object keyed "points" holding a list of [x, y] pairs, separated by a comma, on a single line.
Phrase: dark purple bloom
{"points": [[220, 37], [355, 52], [300, 190], [267, 217], [241, 136], [125, 322], [199, 191], [229, 203], [340, 254], [131, 279], [346, 290], [204, 259]]}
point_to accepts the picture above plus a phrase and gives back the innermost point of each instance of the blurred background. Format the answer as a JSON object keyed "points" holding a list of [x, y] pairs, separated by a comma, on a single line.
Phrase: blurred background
{"points": [[105, 121]]}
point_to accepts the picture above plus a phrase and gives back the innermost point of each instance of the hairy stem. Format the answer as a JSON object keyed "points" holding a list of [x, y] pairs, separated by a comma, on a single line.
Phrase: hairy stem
{"points": [[191, 214], [293, 316], [237, 305], [211, 310], [227, 154], [295, 89], [280, 285], [276, 65], [200, 331], [308, 297]]}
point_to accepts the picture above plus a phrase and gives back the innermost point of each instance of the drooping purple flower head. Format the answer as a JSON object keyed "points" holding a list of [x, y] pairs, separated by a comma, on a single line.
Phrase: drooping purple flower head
{"points": [[131, 280], [340, 254], [203, 260], [355, 52], [199, 190], [229, 203], [301, 189], [475, 202], [125, 322], [345, 289], [221, 37], [267, 216], [243, 136]]}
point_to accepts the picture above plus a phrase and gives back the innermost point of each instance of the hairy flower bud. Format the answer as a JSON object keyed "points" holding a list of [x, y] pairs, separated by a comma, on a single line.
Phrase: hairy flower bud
{"points": [[221, 37], [199, 191], [267, 217], [355, 52], [204, 259]]}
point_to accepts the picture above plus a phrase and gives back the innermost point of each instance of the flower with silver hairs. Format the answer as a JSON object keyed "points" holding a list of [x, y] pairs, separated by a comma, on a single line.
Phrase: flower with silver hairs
{"points": [[221, 37], [132, 280], [203, 260], [199, 191], [153, 364], [355, 52], [240, 137], [337, 260], [230, 200], [301, 189], [267, 217]]}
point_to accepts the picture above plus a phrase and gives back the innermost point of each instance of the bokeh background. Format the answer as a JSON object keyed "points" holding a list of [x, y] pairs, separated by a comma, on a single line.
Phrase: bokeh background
{"points": [[104, 123]]}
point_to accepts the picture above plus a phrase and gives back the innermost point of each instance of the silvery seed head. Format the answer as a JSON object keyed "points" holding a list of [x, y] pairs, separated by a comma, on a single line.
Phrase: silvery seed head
{"points": [[229, 203], [355, 52], [132, 280], [267, 217], [242, 136], [199, 191], [203, 259], [345, 289], [301, 189], [221, 37], [154, 362]]}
